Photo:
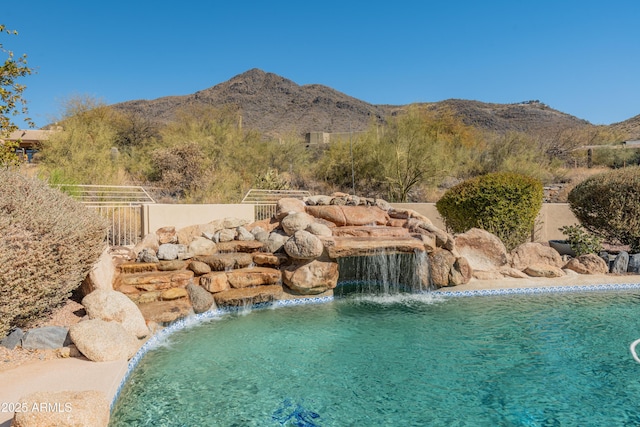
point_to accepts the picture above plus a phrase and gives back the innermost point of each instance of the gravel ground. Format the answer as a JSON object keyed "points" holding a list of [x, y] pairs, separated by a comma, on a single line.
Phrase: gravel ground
{"points": [[70, 313]]}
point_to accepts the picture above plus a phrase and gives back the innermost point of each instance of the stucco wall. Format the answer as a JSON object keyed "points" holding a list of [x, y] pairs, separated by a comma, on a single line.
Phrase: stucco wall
{"points": [[162, 215]]}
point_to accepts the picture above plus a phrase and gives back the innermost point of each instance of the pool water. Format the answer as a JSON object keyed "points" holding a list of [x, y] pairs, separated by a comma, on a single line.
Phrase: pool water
{"points": [[406, 360]]}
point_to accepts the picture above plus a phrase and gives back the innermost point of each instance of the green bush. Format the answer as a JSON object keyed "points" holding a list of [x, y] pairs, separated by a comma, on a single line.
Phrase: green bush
{"points": [[609, 205], [504, 203], [581, 241], [48, 243]]}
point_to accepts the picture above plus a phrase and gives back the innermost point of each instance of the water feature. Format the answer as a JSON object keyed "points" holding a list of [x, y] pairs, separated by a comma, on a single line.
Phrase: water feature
{"points": [[517, 360], [384, 273]]}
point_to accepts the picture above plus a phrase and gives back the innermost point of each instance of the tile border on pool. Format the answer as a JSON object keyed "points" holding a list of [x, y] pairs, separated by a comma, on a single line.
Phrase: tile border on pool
{"points": [[540, 290], [159, 337]]}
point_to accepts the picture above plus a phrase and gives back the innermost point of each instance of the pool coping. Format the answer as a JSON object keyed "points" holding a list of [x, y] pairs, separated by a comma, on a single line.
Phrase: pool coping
{"points": [[197, 319]]}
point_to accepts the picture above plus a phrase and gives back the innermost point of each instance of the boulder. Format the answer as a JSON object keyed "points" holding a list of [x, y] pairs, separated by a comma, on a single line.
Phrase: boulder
{"points": [[170, 251], [87, 408], [227, 261], [244, 235], [158, 280], [441, 263], [101, 276], [248, 296], [303, 245], [202, 246], [215, 282], [276, 241], [201, 300], [483, 250], [247, 246], [288, 205], [296, 221], [150, 241], [12, 340], [174, 265], [634, 263], [226, 235], [461, 272], [543, 270], [102, 341], [166, 311], [507, 271], [186, 235], [147, 255], [255, 276], [319, 229], [115, 306], [350, 215], [535, 253], [620, 263], [167, 235], [199, 268], [587, 264], [265, 258], [311, 278], [173, 293], [47, 337]]}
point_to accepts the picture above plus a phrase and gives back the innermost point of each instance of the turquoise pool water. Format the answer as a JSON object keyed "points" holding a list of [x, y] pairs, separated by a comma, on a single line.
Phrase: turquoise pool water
{"points": [[408, 360]]}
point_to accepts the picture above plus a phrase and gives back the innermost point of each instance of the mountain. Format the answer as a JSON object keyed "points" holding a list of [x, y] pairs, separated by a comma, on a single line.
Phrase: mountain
{"points": [[277, 106]]}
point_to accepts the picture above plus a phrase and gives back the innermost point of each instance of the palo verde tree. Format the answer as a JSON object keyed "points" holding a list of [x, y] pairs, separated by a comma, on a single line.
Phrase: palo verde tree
{"points": [[11, 101]]}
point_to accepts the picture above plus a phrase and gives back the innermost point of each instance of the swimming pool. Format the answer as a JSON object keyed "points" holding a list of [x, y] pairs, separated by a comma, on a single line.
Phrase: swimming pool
{"points": [[557, 359]]}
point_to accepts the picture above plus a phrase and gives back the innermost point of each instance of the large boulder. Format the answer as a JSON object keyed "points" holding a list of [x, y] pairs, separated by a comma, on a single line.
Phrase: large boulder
{"points": [[150, 242], [296, 221], [544, 270], [535, 253], [167, 235], [170, 251], [304, 245], [215, 281], [102, 341], [442, 262], [115, 306], [587, 264], [311, 278], [350, 215], [47, 337], [226, 261], [87, 408], [483, 250], [101, 276], [288, 205], [620, 263], [202, 246], [201, 300], [255, 276], [461, 272]]}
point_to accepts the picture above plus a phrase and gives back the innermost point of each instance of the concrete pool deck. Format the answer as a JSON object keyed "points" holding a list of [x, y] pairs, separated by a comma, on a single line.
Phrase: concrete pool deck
{"points": [[77, 374]]}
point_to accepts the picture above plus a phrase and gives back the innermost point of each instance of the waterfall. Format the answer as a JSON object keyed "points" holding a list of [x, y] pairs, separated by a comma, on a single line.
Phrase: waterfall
{"points": [[384, 273]]}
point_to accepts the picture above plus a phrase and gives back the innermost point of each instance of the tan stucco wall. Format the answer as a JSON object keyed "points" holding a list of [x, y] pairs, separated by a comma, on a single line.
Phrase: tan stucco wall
{"points": [[163, 215]]}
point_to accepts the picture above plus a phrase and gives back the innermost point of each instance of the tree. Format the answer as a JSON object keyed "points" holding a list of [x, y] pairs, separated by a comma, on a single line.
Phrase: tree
{"points": [[11, 101]]}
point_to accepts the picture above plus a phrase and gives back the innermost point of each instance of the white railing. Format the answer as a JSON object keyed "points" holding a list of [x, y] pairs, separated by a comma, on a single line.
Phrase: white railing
{"points": [[264, 201], [121, 206]]}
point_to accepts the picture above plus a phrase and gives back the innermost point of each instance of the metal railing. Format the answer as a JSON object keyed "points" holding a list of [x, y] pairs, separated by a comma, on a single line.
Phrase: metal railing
{"points": [[264, 201], [121, 206]]}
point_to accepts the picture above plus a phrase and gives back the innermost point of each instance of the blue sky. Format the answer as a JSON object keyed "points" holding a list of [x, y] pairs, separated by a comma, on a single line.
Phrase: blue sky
{"points": [[580, 57]]}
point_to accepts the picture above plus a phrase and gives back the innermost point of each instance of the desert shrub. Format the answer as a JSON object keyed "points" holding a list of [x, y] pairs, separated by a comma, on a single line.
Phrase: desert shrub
{"points": [[581, 241], [608, 205], [48, 243], [503, 203]]}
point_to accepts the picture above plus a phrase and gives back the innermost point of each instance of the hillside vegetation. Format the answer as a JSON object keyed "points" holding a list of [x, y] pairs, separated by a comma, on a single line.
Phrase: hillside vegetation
{"points": [[214, 145]]}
